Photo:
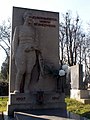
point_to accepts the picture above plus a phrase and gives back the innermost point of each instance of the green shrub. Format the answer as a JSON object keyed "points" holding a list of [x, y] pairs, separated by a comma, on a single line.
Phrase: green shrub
{"points": [[78, 107], [3, 103]]}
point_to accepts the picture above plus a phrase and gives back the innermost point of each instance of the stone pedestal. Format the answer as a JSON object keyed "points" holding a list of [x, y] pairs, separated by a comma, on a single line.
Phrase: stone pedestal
{"points": [[80, 95], [23, 102]]}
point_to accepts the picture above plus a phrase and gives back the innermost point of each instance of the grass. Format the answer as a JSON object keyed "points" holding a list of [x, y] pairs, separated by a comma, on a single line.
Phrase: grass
{"points": [[78, 107], [3, 103]]}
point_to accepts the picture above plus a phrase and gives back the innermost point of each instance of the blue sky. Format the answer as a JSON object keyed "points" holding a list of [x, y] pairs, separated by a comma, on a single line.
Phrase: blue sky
{"points": [[82, 7]]}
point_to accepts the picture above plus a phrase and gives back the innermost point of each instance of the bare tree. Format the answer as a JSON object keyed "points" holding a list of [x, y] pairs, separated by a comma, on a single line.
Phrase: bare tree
{"points": [[5, 31], [70, 36]]}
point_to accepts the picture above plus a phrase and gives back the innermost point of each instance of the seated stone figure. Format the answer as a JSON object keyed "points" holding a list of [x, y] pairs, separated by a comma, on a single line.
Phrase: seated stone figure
{"points": [[25, 45]]}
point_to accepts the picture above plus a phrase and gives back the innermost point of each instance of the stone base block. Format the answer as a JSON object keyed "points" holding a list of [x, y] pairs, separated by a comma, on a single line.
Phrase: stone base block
{"points": [[44, 114], [80, 95], [24, 107], [23, 102], [85, 101]]}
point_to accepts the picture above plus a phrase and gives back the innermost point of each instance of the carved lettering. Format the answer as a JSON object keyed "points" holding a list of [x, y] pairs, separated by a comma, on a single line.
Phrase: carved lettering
{"points": [[44, 25], [43, 21], [55, 98], [20, 98], [44, 18]]}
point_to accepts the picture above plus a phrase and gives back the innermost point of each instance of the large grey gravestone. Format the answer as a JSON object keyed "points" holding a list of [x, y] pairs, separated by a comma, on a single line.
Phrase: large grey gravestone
{"points": [[34, 54], [77, 77], [78, 90]]}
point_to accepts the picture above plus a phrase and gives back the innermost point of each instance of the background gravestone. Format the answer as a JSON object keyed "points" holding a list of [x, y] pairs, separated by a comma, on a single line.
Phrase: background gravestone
{"points": [[77, 77], [78, 90], [44, 89]]}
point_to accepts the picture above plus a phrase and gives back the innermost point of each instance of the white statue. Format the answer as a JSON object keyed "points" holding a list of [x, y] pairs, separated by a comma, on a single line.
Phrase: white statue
{"points": [[25, 43]]}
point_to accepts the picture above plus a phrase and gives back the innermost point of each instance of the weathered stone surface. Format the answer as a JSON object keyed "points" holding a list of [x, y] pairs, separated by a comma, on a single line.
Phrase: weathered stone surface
{"points": [[77, 77], [49, 114], [31, 98], [47, 25], [78, 92], [80, 95], [41, 114], [35, 88], [20, 102]]}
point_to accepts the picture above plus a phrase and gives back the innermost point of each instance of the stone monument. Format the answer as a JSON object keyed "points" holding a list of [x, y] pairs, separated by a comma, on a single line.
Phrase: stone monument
{"points": [[77, 77], [78, 90], [34, 60]]}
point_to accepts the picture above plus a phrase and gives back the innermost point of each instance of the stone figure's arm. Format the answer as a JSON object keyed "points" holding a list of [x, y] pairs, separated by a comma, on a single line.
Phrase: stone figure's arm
{"points": [[15, 41], [36, 41], [41, 63]]}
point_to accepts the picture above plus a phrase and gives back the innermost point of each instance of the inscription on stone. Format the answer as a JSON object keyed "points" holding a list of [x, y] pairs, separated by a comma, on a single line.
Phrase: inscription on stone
{"points": [[20, 98], [55, 98], [44, 21]]}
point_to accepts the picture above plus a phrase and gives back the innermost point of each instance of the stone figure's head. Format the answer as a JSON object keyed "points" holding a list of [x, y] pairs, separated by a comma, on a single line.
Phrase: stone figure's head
{"points": [[28, 17]]}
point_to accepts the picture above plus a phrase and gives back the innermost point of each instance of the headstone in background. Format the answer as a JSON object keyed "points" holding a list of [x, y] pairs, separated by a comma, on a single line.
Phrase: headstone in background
{"points": [[77, 77], [78, 90]]}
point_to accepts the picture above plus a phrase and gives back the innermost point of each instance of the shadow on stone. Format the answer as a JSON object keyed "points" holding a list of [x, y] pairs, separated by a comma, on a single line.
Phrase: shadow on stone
{"points": [[43, 114]]}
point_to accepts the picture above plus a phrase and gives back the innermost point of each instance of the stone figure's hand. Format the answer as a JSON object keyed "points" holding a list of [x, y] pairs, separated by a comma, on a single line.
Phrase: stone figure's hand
{"points": [[29, 48], [38, 51]]}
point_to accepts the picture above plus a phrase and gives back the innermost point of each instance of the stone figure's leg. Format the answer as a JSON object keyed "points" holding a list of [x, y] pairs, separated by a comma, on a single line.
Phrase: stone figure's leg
{"points": [[19, 77], [21, 68], [31, 59], [27, 82]]}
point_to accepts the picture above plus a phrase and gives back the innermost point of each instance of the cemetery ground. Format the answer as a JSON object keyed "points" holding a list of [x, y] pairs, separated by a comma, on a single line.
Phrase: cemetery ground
{"points": [[72, 106]]}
